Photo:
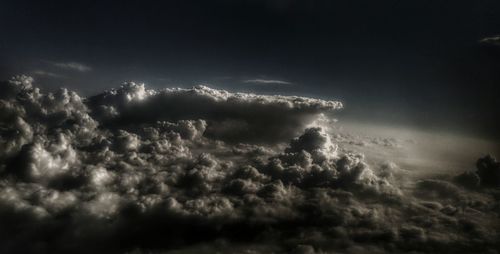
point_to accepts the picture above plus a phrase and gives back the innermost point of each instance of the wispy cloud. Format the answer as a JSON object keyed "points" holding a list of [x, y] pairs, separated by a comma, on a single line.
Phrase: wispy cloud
{"points": [[267, 81], [47, 74], [75, 66], [492, 40]]}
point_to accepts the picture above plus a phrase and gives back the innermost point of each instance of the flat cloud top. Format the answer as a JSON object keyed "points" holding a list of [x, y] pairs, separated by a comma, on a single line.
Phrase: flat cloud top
{"points": [[132, 91], [231, 116]]}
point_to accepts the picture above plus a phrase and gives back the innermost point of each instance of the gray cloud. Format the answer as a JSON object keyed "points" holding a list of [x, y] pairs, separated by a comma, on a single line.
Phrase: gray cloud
{"points": [[486, 175], [140, 171], [47, 74], [493, 40], [74, 66], [267, 81]]}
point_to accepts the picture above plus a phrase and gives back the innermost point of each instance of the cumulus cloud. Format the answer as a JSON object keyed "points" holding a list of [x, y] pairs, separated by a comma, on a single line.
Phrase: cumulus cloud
{"points": [[231, 117], [134, 170], [267, 81], [486, 175]]}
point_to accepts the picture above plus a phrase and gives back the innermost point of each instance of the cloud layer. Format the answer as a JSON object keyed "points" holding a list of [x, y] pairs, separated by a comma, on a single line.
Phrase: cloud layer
{"points": [[205, 170]]}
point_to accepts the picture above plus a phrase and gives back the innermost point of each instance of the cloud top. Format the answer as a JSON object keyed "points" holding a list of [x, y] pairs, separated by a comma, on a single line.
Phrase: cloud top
{"points": [[230, 116]]}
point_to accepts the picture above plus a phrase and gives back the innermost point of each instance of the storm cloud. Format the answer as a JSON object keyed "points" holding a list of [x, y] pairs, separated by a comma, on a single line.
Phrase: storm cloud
{"points": [[205, 170], [230, 116]]}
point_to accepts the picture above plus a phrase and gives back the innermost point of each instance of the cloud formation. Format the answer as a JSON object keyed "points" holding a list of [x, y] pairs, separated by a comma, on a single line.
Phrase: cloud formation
{"points": [[134, 170], [486, 175], [233, 117]]}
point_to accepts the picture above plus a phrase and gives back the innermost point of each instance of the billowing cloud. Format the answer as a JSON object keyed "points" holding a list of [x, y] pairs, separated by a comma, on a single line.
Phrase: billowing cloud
{"points": [[267, 81], [486, 175], [134, 170], [232, 117], [492, 40]]}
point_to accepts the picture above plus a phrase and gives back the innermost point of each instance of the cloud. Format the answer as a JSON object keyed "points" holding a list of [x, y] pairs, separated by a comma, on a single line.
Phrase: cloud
{"points": [[267, 82], [73, 66], [486, 175], [233, 117], [493, 40], [134, 170], [47, 74]]}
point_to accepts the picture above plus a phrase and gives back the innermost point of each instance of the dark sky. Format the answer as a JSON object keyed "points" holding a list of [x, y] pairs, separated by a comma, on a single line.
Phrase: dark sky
{"points": [[409, 62]]}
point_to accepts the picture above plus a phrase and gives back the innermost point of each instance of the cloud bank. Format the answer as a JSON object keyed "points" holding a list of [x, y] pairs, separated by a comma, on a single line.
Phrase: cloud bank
{"points": [[134, 170]]}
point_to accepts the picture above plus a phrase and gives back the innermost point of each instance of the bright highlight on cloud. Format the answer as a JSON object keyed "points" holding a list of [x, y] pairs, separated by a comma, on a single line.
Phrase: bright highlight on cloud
{"points": [[231, 117], [206, 170]]}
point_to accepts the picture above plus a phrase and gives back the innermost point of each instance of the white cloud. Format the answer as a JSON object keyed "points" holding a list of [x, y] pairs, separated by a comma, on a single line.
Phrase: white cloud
{"points": [[231, 117]]}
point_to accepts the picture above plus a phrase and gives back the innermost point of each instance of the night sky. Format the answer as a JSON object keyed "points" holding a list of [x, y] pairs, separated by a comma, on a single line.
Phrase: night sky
{"points": [[252, 126], [417, 63]]}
